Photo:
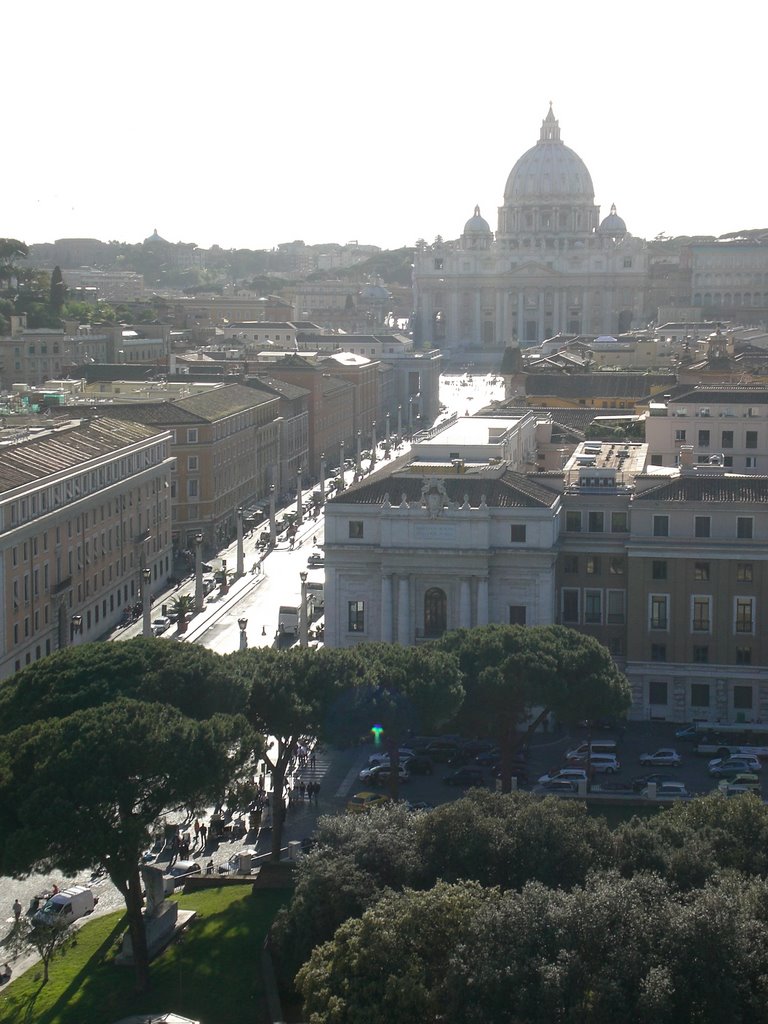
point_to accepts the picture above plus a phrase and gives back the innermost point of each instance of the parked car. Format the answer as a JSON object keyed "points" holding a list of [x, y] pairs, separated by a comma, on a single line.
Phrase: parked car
{"points": [[688, 733], [518, 771], [419, 765], [465, 777], [160, 624], [475, 747], [569, 774], [602, 763], [441, 750], [727, 767], [668, 791], [664, 756], [381, 773], [579, 754], [642, 781], [491, 759], [756, 765], [382, 757], [747, 782], [557, 786], [209, 583], [315, 561], [365, 800]]}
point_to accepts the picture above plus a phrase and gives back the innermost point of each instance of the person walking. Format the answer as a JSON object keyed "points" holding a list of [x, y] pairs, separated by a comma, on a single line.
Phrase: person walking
{"points": [[302, 788], [203, 835], [197, 831], [16, 910], [316, 792]]}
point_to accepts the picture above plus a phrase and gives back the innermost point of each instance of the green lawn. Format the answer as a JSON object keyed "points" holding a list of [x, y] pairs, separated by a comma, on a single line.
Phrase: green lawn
{"points": [[213, 973]]}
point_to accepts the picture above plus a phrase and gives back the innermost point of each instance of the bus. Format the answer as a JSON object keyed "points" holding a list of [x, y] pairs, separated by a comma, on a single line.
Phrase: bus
{"points": [[720, 739]]}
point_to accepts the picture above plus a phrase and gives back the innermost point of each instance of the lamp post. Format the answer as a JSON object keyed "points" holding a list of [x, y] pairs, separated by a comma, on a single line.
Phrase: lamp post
{"points": [[303, 622], [399, 424], [240, 553], [299, 499], [272, 523], [387, 439], [359, 456], [373, 445], [341, 465], [198, 573], [146, 602], [410, 416], [322, 480], [224, 588], [75, 627], [243, 623]]}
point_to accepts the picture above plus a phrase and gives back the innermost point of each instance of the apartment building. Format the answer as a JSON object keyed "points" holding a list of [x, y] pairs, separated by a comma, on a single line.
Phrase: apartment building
{"points": [[84, 508]]}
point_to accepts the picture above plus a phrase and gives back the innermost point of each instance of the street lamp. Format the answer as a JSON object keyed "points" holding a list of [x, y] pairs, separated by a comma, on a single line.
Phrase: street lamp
{"points": [[341, 465], [303, 631], [399, 424], [224, 588], [146, 601], [198, 573], [272, 523], [242, 623], [373, 446], [240, 553], [75, 627], [359, 459], [322, 479], [299, 498]]}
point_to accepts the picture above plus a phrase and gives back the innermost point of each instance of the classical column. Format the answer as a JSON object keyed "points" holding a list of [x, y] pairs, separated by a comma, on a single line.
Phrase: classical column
{"points": [[386, 608], [482, 601], [499, 325], [520, 315], [403, 611], [464, 605], [540, 317]]}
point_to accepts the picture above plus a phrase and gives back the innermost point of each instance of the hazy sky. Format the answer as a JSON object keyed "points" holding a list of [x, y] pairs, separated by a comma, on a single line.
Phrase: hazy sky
{"points": [[247, 123]]}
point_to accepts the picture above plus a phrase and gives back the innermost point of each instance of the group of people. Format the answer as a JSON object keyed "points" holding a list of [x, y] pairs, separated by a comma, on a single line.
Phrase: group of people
{"points": [[301, 790]]}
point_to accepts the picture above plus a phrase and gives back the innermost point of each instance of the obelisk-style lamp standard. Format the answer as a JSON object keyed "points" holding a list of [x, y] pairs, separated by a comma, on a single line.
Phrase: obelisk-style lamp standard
{"points": [[303, 624], [242, 624], [240, 551], [198, 573], [299, 499], [146, 601], [272, 520]]}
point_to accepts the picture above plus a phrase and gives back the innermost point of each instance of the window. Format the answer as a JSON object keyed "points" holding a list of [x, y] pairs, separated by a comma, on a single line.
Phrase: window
{"points": [[356, 529], [701, 621], [658, 618], [517, 533], [701, 572], [435, 612], [192, 462], [703, 439], [573, 522], [727, 439], [744, 527], [616, 566], [661, 526], [570, 602], [657, 460], [744, 619], [679, 436], [517, 614], [657, 692], [744, 572], [619, 522], [658, 570], [728, 460], [701, 526], [593, 565], [617, 646], [570, 564], [192, 435], [356, 616], [616, 603], [750, 462], [593, 607], [743, 655], [700, 654], [751, 439], [699, 694], [193, 488], [742, 698], [596, 522]]}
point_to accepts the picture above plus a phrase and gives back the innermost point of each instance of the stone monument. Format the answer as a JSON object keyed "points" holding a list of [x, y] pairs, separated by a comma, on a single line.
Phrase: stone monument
{"points": [[162, 918]]}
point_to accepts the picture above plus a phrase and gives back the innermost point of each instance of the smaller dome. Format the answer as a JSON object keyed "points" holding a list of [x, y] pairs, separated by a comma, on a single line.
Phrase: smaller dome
{"points": [[477, 225], [375, 292], [613, 224]]}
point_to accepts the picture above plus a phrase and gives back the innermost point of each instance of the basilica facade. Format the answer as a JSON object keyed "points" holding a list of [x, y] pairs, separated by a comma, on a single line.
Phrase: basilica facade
{"points": [[552, 266]]}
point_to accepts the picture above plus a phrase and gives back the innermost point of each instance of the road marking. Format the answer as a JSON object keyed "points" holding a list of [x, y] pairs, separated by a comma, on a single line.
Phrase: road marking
{"points": [[349, 778]]}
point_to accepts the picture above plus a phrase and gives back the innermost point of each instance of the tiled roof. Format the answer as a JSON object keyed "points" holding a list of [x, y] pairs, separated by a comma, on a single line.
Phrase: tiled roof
{"points": [[724, 395], [727, 488], [592, 385], [281, 387], [505, 490], [208, 407], [332, 385], [34, 459]]}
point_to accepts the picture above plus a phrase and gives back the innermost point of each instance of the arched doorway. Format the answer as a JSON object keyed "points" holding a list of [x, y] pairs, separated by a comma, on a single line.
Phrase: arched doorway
{"points": [[435, 612]]}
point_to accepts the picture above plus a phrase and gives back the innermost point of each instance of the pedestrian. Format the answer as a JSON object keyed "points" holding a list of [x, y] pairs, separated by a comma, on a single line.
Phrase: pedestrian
{"points": [[203, 836], [312, 759], [16, 910], [317, 792], [314, 541], [302, 788], [197, 830]]}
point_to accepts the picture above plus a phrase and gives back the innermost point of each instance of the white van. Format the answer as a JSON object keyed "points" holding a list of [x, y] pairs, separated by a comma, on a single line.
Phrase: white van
{"points": [[579, 754], [65, 907]]}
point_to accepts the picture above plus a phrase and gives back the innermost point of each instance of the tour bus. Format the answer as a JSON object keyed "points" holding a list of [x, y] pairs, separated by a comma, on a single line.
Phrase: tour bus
{"points": [[719, 739]]}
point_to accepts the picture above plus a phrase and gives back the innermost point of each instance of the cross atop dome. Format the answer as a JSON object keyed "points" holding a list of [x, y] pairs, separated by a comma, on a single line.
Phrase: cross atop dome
{"points": [[550, 127]]}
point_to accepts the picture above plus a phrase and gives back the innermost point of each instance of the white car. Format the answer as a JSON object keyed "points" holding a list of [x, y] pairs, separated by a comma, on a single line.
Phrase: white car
{"points": [[383, 758], [664, 756], [667, 791], [160, 625], [381, 773], [576, 775], [754, 762]]}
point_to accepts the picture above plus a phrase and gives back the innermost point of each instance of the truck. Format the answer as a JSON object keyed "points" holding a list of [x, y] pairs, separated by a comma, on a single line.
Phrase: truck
{"points": [[65, 907], [315, 598], [288, 622]]}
